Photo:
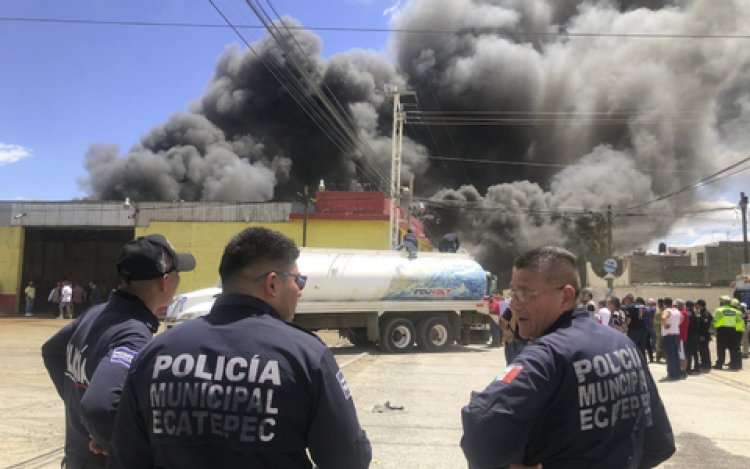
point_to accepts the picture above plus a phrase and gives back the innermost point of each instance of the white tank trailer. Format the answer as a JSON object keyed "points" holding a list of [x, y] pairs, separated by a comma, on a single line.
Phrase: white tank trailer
{"points": [[381, 297]]}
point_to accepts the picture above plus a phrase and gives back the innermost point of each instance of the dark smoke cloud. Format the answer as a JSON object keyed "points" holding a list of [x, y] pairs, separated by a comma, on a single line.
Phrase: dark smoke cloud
{"points": [[247, 138], [661, 105], [622, 115]]}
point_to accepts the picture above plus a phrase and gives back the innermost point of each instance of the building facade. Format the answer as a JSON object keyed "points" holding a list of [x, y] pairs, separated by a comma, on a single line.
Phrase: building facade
{"points": [[78, 241]]}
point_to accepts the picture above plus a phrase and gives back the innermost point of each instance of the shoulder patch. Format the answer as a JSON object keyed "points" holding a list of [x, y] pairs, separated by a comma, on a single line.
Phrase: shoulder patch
{"points": [[509, 374], [344, 386], [123, 356]]}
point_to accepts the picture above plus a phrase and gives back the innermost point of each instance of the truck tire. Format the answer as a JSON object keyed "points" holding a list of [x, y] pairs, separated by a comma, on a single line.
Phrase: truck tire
{"points": [[433, 334], [397, 335]]}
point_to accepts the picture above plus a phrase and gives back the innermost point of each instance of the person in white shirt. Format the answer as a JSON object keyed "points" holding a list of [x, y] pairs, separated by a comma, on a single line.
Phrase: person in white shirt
{"points": [[604, 313], [670, 331], [66, 299]]}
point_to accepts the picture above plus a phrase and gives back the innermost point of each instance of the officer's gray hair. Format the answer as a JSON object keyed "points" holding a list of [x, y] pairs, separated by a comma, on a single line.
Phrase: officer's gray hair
{"points": [[556, 264]]}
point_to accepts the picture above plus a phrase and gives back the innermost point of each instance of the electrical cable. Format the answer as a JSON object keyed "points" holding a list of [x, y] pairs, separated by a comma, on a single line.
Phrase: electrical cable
{"points": [[473, 30], [700, 183], [334, 117]]}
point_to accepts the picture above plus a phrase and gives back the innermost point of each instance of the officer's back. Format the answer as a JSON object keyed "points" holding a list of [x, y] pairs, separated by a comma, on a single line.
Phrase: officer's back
{"points": [[241, 387]]}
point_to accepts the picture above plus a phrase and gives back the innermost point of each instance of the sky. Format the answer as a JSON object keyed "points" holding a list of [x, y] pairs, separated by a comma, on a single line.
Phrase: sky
{"points": [[66, 86]]}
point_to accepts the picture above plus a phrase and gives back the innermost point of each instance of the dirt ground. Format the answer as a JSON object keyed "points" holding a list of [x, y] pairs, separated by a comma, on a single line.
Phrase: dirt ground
{"points": [[32, 413], [708, 425]]}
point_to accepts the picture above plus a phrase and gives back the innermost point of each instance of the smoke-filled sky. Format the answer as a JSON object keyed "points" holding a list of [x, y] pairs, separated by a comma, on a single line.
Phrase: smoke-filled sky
{"points": [[576, 114]]}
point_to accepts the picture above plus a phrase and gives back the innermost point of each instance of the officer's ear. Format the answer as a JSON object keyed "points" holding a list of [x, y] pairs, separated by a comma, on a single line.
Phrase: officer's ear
{"points": [[569, 295], [163, 280], [271, 284]]}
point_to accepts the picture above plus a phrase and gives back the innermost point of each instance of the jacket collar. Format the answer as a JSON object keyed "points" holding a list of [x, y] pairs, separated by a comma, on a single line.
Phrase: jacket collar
{"points": [[125, 303], [241, 305], [566, 318]]}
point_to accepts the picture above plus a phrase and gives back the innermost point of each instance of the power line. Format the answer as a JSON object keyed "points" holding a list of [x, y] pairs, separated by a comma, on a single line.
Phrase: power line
{"points": [[474, 30], [544, 164], [541, 118], [301, 95], [700, 183], [308, 79], [484, 206]]}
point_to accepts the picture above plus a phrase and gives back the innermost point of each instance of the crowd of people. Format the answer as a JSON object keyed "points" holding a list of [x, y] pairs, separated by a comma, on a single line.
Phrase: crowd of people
{"points": [[677, 331], [67, 299]]}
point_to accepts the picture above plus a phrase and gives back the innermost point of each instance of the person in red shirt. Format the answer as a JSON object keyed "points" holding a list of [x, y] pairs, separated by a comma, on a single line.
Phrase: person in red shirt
{"points": [[680, 305], [495, 302]]}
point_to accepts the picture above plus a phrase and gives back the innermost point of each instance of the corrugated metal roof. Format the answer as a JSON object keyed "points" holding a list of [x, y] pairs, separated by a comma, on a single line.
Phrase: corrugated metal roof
{"points": [[88, 213]]}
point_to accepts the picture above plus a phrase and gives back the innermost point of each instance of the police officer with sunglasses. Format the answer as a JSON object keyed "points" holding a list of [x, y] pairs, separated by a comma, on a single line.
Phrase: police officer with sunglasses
{"points": [[242, 386]]}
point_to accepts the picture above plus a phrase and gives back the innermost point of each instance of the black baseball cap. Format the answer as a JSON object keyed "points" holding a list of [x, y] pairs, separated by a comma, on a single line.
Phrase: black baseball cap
{"points": [[149, 257]]}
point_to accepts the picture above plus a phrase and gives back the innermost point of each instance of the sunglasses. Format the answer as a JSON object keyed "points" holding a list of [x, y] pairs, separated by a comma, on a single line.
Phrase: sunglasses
{"points": [[299, 279], [523, 295]]}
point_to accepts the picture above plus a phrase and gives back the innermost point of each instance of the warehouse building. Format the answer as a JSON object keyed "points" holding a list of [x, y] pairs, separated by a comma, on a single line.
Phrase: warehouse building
{"points": [[78, 241]]}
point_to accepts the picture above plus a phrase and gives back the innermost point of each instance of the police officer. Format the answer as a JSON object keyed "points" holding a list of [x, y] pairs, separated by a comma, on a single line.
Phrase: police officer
{"points": [[705, 321], [449, 243], [725, 322], [88, 359], [242, 386], [554, 405], [410, 243], [739, 331]]}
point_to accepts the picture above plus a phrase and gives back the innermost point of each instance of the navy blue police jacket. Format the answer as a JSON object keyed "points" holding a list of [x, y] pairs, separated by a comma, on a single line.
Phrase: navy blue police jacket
{"points": [[88, 361], [579, 396], [238, 387]]}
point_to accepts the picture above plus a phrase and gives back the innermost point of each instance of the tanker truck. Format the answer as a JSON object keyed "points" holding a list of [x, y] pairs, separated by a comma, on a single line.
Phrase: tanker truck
{"points": [[380, 297]]}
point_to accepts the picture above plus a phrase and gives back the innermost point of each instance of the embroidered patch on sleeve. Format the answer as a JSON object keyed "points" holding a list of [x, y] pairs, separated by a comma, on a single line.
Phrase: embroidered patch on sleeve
{"points": [[344, 386], [509, 374], [123, 356]]}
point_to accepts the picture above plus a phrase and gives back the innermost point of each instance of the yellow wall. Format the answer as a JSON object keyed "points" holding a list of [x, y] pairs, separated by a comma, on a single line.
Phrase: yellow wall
{"points": [[11, 247], [345, 234], [206, 240]]}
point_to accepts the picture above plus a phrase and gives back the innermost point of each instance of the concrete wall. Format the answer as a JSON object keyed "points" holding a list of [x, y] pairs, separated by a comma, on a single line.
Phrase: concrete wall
{"points": [[11, 247], [660, 269], [724, 262]]}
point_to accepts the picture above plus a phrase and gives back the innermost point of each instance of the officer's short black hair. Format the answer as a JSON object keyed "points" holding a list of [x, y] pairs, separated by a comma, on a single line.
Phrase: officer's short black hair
{"points": [[255, 246], [558, 265], [701, 302]]}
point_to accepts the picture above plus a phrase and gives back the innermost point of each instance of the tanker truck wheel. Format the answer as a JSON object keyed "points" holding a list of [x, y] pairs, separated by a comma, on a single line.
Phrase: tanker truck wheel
{"points": [[433, 334], [397, 335]]}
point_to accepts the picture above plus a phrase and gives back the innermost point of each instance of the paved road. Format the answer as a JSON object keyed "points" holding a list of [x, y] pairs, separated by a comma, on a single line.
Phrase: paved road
{"points": [[709, 413]]}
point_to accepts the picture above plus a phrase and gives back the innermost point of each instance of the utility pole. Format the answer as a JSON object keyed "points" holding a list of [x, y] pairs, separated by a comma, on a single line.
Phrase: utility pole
{"points": [[610, 253], [743, 207], [610, 246], [411, 201], [396, 148]]}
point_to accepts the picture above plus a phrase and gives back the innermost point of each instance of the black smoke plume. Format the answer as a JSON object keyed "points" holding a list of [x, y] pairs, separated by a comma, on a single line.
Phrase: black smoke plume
{"points": [[591, 117]]}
